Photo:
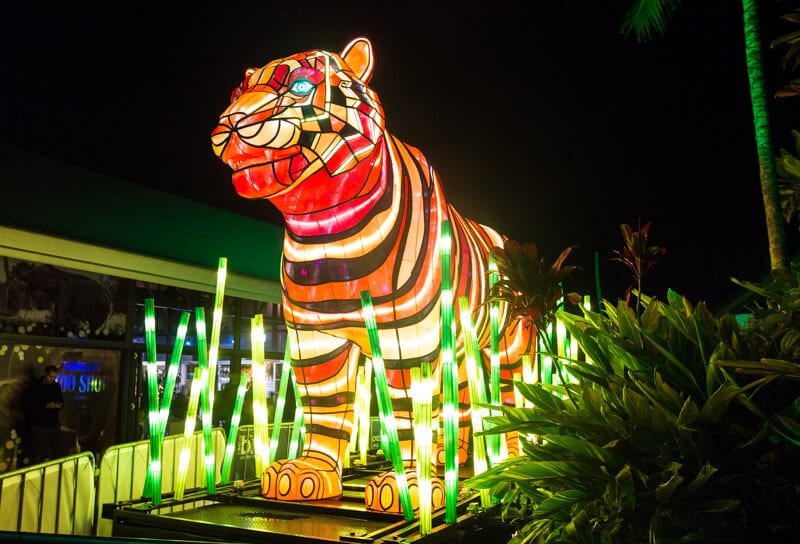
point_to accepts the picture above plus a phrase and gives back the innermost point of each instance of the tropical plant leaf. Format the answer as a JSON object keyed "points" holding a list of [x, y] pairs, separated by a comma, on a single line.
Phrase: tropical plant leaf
{"points": [[720, 506], [703, 476], [674, 362], [560, 501], [718, 402], [665, 490], [583, 448], [624, 497], [689, 413]]}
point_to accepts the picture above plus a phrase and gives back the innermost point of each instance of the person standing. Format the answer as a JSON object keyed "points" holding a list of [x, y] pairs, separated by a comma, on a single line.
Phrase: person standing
{"points": [[45, 401]]}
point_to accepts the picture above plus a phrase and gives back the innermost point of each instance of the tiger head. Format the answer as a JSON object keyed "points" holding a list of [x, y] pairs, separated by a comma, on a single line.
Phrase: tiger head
{"points": [[304, 131]]}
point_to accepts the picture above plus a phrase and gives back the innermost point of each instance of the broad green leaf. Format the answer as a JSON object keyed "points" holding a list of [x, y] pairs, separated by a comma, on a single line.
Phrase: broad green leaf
{"points": [[561, 500], [668, 395], [680, 321], [624, 489], [706, 472], [548, 470], [664, 491], [583, 448], [675, 363], [793, 428], [790, 424], [627, 322], [719, 506], [689, 413], [718, 403]]}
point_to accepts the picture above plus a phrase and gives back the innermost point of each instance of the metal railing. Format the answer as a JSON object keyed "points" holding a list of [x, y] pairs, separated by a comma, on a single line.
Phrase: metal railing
{"points": [[55, 497]]}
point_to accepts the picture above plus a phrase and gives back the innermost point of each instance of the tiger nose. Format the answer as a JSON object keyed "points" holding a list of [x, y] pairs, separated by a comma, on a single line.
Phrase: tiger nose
{"points": [[224, 131], [219, 138]]}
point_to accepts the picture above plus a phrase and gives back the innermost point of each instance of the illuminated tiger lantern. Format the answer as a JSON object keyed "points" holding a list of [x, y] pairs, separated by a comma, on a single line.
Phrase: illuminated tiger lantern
{"points": [[363, 211]]}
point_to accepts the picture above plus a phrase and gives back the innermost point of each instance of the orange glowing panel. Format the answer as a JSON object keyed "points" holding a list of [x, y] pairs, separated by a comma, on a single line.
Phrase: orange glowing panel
{"points": [[363, 212]]}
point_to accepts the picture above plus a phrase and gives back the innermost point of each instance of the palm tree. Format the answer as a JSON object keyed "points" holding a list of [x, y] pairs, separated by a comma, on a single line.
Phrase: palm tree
{"points": [[646, 17]]}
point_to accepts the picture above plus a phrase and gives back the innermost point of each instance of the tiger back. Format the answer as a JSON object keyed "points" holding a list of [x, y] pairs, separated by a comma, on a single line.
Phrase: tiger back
{"points": [[363, 211]]}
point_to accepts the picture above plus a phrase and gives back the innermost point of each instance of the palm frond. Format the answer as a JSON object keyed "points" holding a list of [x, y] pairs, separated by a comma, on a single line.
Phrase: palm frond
{"points": [[645, 18]]}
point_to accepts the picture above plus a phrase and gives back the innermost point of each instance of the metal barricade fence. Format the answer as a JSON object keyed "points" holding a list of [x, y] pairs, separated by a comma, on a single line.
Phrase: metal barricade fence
{"points": [[123, 470], [67, 496], [56, 497]]}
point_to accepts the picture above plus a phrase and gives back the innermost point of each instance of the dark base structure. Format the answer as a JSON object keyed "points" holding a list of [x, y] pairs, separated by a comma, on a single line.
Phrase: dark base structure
{"points": [[241, 514]]}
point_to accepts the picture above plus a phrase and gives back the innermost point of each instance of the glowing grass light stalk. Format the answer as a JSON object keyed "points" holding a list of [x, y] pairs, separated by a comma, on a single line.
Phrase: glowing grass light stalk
{"points": [[528, 376], [359, 393], [385, 405], [205, 399], [280, 402], [562, 340], [188, 431], [519, 401], [298, 426], [421, 398], [545, 358], [364, 420], [260, 415], [172, 371], [494, 441], [216, 326], [587, 305], [355, 437], [230, 446], [449, 380], [153, 481], [477, 394]]}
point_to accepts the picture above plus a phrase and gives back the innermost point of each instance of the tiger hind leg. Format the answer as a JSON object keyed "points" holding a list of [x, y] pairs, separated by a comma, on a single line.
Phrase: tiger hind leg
{"points": [[382, 493]]}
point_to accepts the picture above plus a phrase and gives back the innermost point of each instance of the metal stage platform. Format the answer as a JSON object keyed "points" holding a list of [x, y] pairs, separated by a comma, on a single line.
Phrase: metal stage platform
{"points": [[243, 515]]}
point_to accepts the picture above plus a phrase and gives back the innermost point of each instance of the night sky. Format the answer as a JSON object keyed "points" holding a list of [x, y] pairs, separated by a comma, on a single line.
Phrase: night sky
{"points": [[547, 124]]}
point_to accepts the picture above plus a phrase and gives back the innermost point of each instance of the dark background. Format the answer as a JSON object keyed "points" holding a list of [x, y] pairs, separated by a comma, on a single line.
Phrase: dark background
{"points": [[544, 122]]}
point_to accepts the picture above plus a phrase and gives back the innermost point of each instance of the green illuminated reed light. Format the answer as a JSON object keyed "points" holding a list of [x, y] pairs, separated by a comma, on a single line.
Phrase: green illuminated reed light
{"points": [[152, 487], [298, 426], [545, 358], [385, 405], [216, 325], [236, 417], [587, 305], [562, 341], [449, 380], [493, 441], [366, 403], [280, 402], [528, 375], [355, 436], [205, 399], [260, 415], [188, 431], [421, 398], [363, 415], [477, 395], [172, 371]]}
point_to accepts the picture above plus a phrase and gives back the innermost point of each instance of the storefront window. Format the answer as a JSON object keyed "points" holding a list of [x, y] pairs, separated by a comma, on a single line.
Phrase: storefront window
{"points": [[89, 380], [87, 325], [43, 300], [274, 325]]}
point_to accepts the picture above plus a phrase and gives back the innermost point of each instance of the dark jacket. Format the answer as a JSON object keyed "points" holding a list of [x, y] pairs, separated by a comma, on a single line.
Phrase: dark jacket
{"points": [[39, 394]]}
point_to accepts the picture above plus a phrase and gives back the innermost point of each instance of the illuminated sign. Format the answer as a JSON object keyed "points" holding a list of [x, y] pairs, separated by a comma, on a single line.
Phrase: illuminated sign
{"points": [[82, 377]]}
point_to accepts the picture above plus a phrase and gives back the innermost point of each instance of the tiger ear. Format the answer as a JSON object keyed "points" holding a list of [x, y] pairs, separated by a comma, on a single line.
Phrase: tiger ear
{"points": [[358, 56]]}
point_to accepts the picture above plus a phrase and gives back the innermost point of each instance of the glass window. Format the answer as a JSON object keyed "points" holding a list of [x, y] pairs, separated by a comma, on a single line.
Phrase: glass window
{"points": [[43, 300], [89, 380]]}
